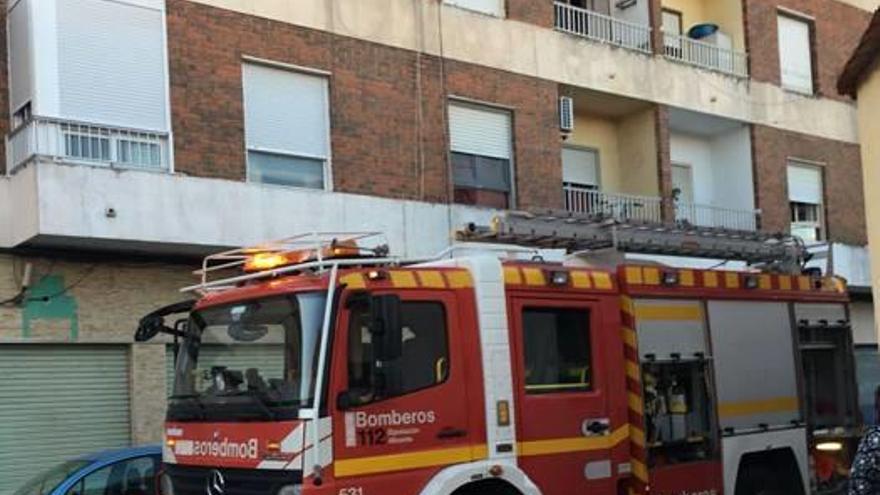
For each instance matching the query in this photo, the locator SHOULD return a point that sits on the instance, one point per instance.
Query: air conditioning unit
(566, 113)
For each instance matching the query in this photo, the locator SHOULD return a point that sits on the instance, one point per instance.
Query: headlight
(290, 490)
(166, 486)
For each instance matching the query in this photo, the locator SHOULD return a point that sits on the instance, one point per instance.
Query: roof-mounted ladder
(572, 232)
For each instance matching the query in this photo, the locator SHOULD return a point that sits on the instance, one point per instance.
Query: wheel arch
(452, 479)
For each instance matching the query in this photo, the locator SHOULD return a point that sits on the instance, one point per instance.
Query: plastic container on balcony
(700, 31)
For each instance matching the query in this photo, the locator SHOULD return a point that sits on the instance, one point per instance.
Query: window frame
(594, 387)
(820, 223)
(502, 14)
(810, 22)
(447, 318)
(79, 480)
(327, 176)
(512, 196)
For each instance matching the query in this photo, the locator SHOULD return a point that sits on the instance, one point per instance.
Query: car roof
(123, 453)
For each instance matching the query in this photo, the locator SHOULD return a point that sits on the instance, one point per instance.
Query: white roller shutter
(57, 402)
(795, 54)
(805, 184)
(112, 64)
(580, 166)
(480, 131)
(492, 7)
(285, 111)
(20, 56)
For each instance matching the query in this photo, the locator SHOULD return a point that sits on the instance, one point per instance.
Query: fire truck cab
(327, 371)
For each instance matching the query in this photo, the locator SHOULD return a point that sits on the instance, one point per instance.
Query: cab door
(566, 431)
(394, 442)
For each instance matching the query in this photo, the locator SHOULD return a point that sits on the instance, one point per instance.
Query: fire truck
(321, 365)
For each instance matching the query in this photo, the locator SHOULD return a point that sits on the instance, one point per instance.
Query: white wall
(70, 201)
(695, 151)
(637, 14)
(863, 325)
(721, 165)
(732, 169)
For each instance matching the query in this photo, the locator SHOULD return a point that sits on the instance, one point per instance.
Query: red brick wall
(388, 106)
(837, 30)
(538, 12)
(842, 179)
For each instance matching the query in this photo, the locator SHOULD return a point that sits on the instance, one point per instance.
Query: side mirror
(386, 328)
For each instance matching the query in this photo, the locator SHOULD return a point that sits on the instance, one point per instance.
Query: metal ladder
(573, 232)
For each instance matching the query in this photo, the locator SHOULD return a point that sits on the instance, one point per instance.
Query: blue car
(130, 471)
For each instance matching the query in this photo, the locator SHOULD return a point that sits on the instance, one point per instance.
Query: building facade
(142, 134)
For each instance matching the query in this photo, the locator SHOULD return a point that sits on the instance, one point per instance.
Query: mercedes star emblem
(216, 483)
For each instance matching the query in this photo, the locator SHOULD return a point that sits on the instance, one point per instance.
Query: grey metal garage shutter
(57, 402)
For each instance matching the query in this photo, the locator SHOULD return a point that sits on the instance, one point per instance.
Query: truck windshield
(252, 360)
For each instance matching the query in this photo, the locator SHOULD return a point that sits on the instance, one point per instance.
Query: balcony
(622, 207)
(87, 144)
(705, 55)
(602, 28)
(701, 215)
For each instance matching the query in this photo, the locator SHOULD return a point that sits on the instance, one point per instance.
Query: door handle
(448, 433)
(592, 427)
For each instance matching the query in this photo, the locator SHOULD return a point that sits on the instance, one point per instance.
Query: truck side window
(556, 344)
(425, 359)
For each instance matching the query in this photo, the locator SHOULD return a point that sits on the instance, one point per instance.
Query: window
(491, 7)
(556, 344)
(795, 53)
(286, 127)
(580, 180)
(139, 153)
(480, 142)
(425, 358)
(805, 201)
(130, 477)
(86, 146)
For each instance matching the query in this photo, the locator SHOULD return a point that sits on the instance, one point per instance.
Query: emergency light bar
(308, 249)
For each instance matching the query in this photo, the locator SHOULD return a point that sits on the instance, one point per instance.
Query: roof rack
(312, 248)
(572, 232)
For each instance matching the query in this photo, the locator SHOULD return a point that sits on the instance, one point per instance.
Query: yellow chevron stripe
(602, 280)
(459, 279)
(629, 338)
(637, 436)
(731, 280)
(639, 470)
(403, 280)
(353, 281)
(581, 280)
(635, 402)
(686, 278)
(652, 276)
(633, 275)
(512, 275)
(764, 282)
(764, 406)
(409, 460)
(573, 444)
(432, 279)
(534, 276)
(632, 370)
(670, 313)
(710, 279)
(784, 282)
(626, 305)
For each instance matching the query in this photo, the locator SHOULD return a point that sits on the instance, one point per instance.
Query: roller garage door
(59, 401)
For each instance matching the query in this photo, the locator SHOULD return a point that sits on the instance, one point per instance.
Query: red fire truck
(328, 367)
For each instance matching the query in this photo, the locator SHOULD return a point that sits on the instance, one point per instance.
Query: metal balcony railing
(624, 207)
(705, 55)
(602, 28)
(714, 216)
(83, 143)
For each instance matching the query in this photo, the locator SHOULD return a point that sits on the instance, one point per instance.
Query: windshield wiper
(257, 399)
(203, 414)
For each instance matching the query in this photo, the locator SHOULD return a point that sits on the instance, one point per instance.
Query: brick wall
(388, 116)
(837, 30)
(538, 12)
(842, 179)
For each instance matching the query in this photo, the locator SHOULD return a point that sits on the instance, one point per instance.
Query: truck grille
(193, 480)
